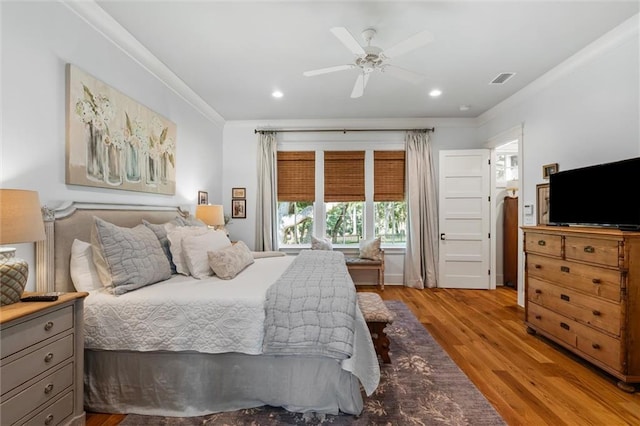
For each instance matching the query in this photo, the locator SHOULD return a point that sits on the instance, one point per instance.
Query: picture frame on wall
(549, 169)
(239, 209)
(203, 197)
(542, 203)
(238, 193)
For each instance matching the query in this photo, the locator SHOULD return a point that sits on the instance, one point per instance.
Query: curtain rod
(432, 129)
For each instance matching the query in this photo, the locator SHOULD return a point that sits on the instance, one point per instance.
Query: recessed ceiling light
(435, 93)
(465, 107)
(277, 94)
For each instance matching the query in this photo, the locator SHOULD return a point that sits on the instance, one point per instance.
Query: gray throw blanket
(310, 309)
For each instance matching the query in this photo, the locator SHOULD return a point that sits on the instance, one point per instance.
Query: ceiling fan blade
(361, 83)
(413, 42)
(348, 40)
(402, 74)
(328, 70)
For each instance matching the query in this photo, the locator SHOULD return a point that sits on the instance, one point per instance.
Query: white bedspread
(185, 314)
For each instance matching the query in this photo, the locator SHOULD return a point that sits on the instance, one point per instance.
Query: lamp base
(13, 276)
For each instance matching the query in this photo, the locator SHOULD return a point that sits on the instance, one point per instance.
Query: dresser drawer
(35, 330)
(33, 363)
(36, 395)
(579, 306)
(543, 244)
(601, 252)
(53, 414)
(605, 349)
(554, 324)
(592, 280)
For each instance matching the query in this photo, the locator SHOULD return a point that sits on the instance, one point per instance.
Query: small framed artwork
(549, 169)
(239, 209)
(542, 203)
(203, 197)
(238, 193)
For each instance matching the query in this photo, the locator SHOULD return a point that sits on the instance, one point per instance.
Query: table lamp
(20, 222)
(212, 215)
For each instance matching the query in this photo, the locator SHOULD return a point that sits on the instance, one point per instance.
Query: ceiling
(234, 54)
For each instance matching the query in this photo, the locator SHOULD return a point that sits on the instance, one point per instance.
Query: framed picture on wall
(239, 209)
(549, 169)
(238, 193)
(203, 197)
(542, 203)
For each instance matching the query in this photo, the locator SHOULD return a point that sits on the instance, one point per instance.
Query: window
(390, 208)
(296, 194)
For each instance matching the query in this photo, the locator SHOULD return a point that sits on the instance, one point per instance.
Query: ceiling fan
(372, 58)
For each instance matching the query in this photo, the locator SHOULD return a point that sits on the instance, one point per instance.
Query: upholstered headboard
(74, 220)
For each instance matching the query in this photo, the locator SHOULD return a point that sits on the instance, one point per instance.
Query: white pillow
(321, 243)
(195, 248)
(175, 236)
(84, 274)
(370, 249)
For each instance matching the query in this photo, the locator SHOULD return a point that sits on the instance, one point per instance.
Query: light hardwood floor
(529, 380)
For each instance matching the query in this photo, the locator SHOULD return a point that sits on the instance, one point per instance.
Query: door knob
(442, 236)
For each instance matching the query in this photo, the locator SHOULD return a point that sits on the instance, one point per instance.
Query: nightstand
(41, 362)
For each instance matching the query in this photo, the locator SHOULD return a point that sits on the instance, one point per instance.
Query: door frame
(515, 133)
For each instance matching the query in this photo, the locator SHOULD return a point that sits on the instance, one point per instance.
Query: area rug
(422, 386)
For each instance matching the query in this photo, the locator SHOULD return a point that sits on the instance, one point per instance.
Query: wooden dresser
(583, 292)
(41, 365)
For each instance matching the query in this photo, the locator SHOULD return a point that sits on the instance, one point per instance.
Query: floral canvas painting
(115, 142)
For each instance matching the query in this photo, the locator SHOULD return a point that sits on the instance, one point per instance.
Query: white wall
(240, 150)
(38, 39)
(585, 111)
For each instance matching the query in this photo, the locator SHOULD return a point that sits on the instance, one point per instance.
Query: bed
(189, 347)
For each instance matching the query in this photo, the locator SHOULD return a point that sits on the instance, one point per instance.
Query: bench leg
(380, 340)
(381, 279)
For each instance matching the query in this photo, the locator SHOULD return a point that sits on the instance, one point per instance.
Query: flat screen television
(605, 195)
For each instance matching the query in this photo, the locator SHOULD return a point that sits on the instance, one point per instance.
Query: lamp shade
(212, 215)
(20, 217)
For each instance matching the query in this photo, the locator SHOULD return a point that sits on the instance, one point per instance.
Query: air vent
(502, 78)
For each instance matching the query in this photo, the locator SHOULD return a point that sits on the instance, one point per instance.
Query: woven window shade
(388, 176)
(296, 176)
(343, 176)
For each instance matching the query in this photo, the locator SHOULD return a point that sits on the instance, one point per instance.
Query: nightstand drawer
(33, 363)
(543, 244)
(35, 330)
(53, 414)
(579, 306)
(592, 280)
(602, 252)
(36, 395)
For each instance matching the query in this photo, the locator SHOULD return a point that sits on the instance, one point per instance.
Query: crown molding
(376, 123)
(105, 24)
(617, 36)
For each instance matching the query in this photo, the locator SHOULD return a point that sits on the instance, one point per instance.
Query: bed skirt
(186, 384)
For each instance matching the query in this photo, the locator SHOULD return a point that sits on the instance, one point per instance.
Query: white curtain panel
(266, 203)
(421, 258)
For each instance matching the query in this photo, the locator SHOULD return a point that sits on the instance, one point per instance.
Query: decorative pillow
(161, 232)
(195, 248)
(175, 237)
(264, 254)
(370, 249)
(192, 221)
(83, 272)
(321, 243)
(127, 258)
(230, 261)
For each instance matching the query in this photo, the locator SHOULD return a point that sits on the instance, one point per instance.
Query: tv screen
(602, 195)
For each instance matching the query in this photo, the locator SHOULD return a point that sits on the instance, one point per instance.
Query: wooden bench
(356, 263)
(377, 316)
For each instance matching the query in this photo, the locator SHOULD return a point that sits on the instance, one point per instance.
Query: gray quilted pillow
(127, 258)
(161, 232)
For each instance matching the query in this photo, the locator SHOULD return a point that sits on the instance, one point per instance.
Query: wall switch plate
(528, 209)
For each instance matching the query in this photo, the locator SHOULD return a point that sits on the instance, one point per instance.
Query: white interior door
(464, 218)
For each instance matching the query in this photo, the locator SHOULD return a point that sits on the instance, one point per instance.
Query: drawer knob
(538, 266)
(596, 281)
(538, 291)
(48, 357)
(48, 419)
(565, 297)
(595, 346)
(538, 317)
(542, 243)
(565, 269)
(589, 249)
(48, 326)
(596, 313)
(48, 388)
(565, 326)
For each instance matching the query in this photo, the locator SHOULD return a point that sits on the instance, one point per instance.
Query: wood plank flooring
(529, 380)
